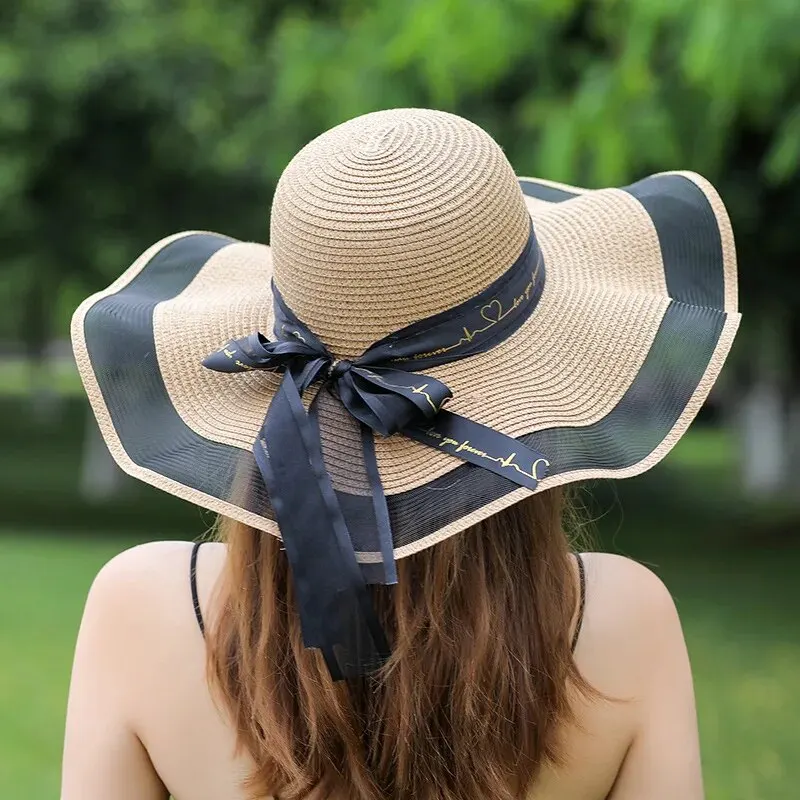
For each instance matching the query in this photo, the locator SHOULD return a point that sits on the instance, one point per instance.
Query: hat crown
(389, 218)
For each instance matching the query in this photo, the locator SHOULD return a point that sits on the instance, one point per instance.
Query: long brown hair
(472, 701)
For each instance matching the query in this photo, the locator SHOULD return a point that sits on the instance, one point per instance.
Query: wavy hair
(472, 700)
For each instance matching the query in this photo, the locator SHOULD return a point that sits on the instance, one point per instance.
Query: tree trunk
(101, 479)
(762, 428)
(793, 470)
(763, 421)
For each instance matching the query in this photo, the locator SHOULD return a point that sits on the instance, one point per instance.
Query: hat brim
(637, 317)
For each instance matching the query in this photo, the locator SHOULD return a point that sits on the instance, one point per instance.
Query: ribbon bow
(380, 397)
(322, 528)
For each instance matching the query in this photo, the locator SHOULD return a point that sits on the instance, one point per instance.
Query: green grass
(737, 608)
(43, 584)
(739, 616)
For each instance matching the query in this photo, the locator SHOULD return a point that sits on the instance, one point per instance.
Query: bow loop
(257, 352)
(384, 399)
(397, 399)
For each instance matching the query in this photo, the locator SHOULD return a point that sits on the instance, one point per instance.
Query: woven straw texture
(390, 218)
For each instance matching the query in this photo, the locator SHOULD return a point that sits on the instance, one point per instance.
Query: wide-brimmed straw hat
(586, 341)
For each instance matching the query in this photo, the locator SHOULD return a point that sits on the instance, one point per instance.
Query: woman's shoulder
(629, 613)
(630, 621)
(622, 579)
(625, 591)
(622, 594)
(151, 568)
(145, 591)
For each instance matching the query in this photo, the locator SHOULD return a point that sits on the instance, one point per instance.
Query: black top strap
(199, 614)
(193, 581)
(582, 603)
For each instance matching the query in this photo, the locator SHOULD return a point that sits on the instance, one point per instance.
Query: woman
(404, 274)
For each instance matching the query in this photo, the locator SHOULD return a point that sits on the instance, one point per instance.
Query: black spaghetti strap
(193, 581)
(199, 614)
(582, 605)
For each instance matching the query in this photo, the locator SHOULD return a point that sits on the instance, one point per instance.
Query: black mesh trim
(687, 231)
(121, 346)
(646, 413)
(689, 235)
(651, 406)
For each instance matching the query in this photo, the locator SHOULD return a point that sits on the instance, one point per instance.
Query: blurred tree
(102, 137)
(126, 121)
(105, 107)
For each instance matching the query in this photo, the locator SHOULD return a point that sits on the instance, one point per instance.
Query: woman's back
(142, 715)
(397, 600)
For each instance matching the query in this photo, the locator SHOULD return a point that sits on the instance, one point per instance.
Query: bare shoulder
(627, 584)
(630, 623)
(150, 567)
(139, 659)
(147, 587)
(154, 557)
(634, 653)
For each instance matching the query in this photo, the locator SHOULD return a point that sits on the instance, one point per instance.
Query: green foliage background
(127, 120)
(122, 121)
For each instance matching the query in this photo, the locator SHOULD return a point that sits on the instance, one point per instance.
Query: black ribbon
(385, 393)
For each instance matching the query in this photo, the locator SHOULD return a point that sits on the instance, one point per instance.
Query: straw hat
(386, 220)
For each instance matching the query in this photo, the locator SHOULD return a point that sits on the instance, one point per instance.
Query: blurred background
(122, 121)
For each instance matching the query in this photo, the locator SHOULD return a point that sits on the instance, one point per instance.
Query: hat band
(383, 391)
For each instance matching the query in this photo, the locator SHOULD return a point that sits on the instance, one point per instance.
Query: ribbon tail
(483, 446)
(336, 612)
(380, 509)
